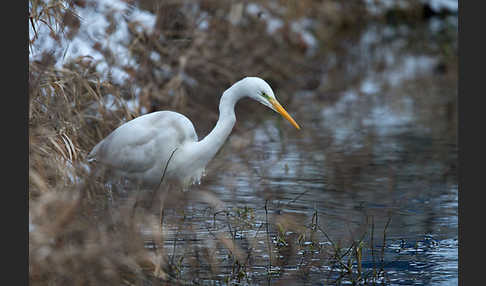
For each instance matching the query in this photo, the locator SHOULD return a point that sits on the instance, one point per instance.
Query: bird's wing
(139, 144)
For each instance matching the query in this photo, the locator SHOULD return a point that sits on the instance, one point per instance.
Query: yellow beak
(283, 112)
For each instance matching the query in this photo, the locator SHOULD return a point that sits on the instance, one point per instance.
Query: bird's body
(133, 150)
(164, 144)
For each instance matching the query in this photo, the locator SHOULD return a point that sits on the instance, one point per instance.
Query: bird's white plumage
(140, 149)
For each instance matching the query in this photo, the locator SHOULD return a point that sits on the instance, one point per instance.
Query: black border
(470, 139)
(15, 142)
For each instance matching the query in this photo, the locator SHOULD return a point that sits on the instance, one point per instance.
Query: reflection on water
(382, 150)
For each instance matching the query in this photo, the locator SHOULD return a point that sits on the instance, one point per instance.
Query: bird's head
(259, 90)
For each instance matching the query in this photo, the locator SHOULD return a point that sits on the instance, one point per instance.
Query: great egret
(164, 144)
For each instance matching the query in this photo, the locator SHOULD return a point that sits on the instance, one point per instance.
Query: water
(405, 177)
(376, 160)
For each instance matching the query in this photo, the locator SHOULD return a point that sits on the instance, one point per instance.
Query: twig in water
(268, 239)
(297, 197)
(382, 269)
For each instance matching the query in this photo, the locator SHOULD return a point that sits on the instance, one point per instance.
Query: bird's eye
(265, 95)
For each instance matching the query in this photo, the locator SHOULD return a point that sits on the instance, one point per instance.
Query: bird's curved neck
(216, 138)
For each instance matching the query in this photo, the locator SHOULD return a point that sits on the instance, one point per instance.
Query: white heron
(164, 144)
